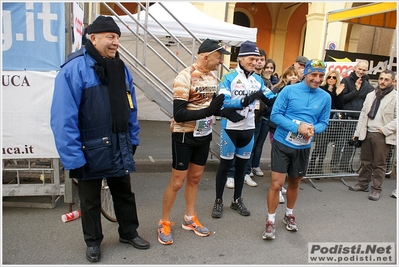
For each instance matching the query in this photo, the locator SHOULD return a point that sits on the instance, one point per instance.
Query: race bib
(203, 127)
(297, 139)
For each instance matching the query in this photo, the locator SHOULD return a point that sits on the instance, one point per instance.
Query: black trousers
(124, 205)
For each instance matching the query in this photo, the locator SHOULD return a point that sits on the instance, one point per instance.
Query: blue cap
(248, 48)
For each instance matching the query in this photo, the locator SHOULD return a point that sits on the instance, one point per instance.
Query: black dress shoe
(93, 254)
(136, 242)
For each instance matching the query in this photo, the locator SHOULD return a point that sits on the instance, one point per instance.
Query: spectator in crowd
(353, 96)
(300, 111)
(241, 88)
(194, 104)
(262, 117)
(95, 126)
(299, 64)
(290, 76)
(376, 129)
(332, 86)
(267, 73)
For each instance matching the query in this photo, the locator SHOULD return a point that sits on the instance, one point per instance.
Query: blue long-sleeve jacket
(301, 103)
(82, 125)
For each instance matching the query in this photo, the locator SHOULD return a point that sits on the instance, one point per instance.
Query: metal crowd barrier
(332, 157)
(27, 178)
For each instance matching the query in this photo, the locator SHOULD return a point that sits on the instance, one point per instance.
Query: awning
(376, 14)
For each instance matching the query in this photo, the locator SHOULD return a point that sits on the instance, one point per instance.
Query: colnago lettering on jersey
(235, 86)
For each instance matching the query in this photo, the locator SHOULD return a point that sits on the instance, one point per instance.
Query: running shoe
(164, 232)
(217, 209)
(270, 231)
(257, 171)
(283, 190)
(196, 226)
(393, 194)
(281, 199)
(289, 221)
(248, 180)
(230, 183)
(240, 207)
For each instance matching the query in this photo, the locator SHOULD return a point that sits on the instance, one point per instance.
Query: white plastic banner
(26, 103)
(344, 68)
(77, 25)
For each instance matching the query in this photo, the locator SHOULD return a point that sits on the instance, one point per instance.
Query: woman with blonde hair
(332, 85)
(289, 76)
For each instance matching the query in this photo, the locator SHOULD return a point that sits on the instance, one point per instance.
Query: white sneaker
(393, 194)
(281, 199)
(230, 183)
(257, 171)
(283, 190)
(248, 180)
(251, 174)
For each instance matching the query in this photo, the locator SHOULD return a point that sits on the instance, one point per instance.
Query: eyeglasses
(329, 77)
(317, 63)
(220, 47)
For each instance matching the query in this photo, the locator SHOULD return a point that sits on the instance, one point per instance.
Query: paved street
(335, 214)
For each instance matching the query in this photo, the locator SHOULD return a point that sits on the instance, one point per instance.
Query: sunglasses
(329, 77)
(316, 63)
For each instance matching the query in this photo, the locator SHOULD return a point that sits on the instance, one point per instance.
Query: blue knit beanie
(248, 48)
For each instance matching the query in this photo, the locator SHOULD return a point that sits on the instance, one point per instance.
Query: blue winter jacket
(81, 121)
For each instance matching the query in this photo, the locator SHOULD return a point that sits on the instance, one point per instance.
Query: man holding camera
(376, 129)
(357, 86)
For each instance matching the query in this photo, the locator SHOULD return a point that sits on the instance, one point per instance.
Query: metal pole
(325, 38)
(68, 194)
(68, 28)
(393, 51)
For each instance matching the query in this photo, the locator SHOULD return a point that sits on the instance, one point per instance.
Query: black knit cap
(104, 24)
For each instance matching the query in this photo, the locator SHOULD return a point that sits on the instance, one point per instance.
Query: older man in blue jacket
(95, 126)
